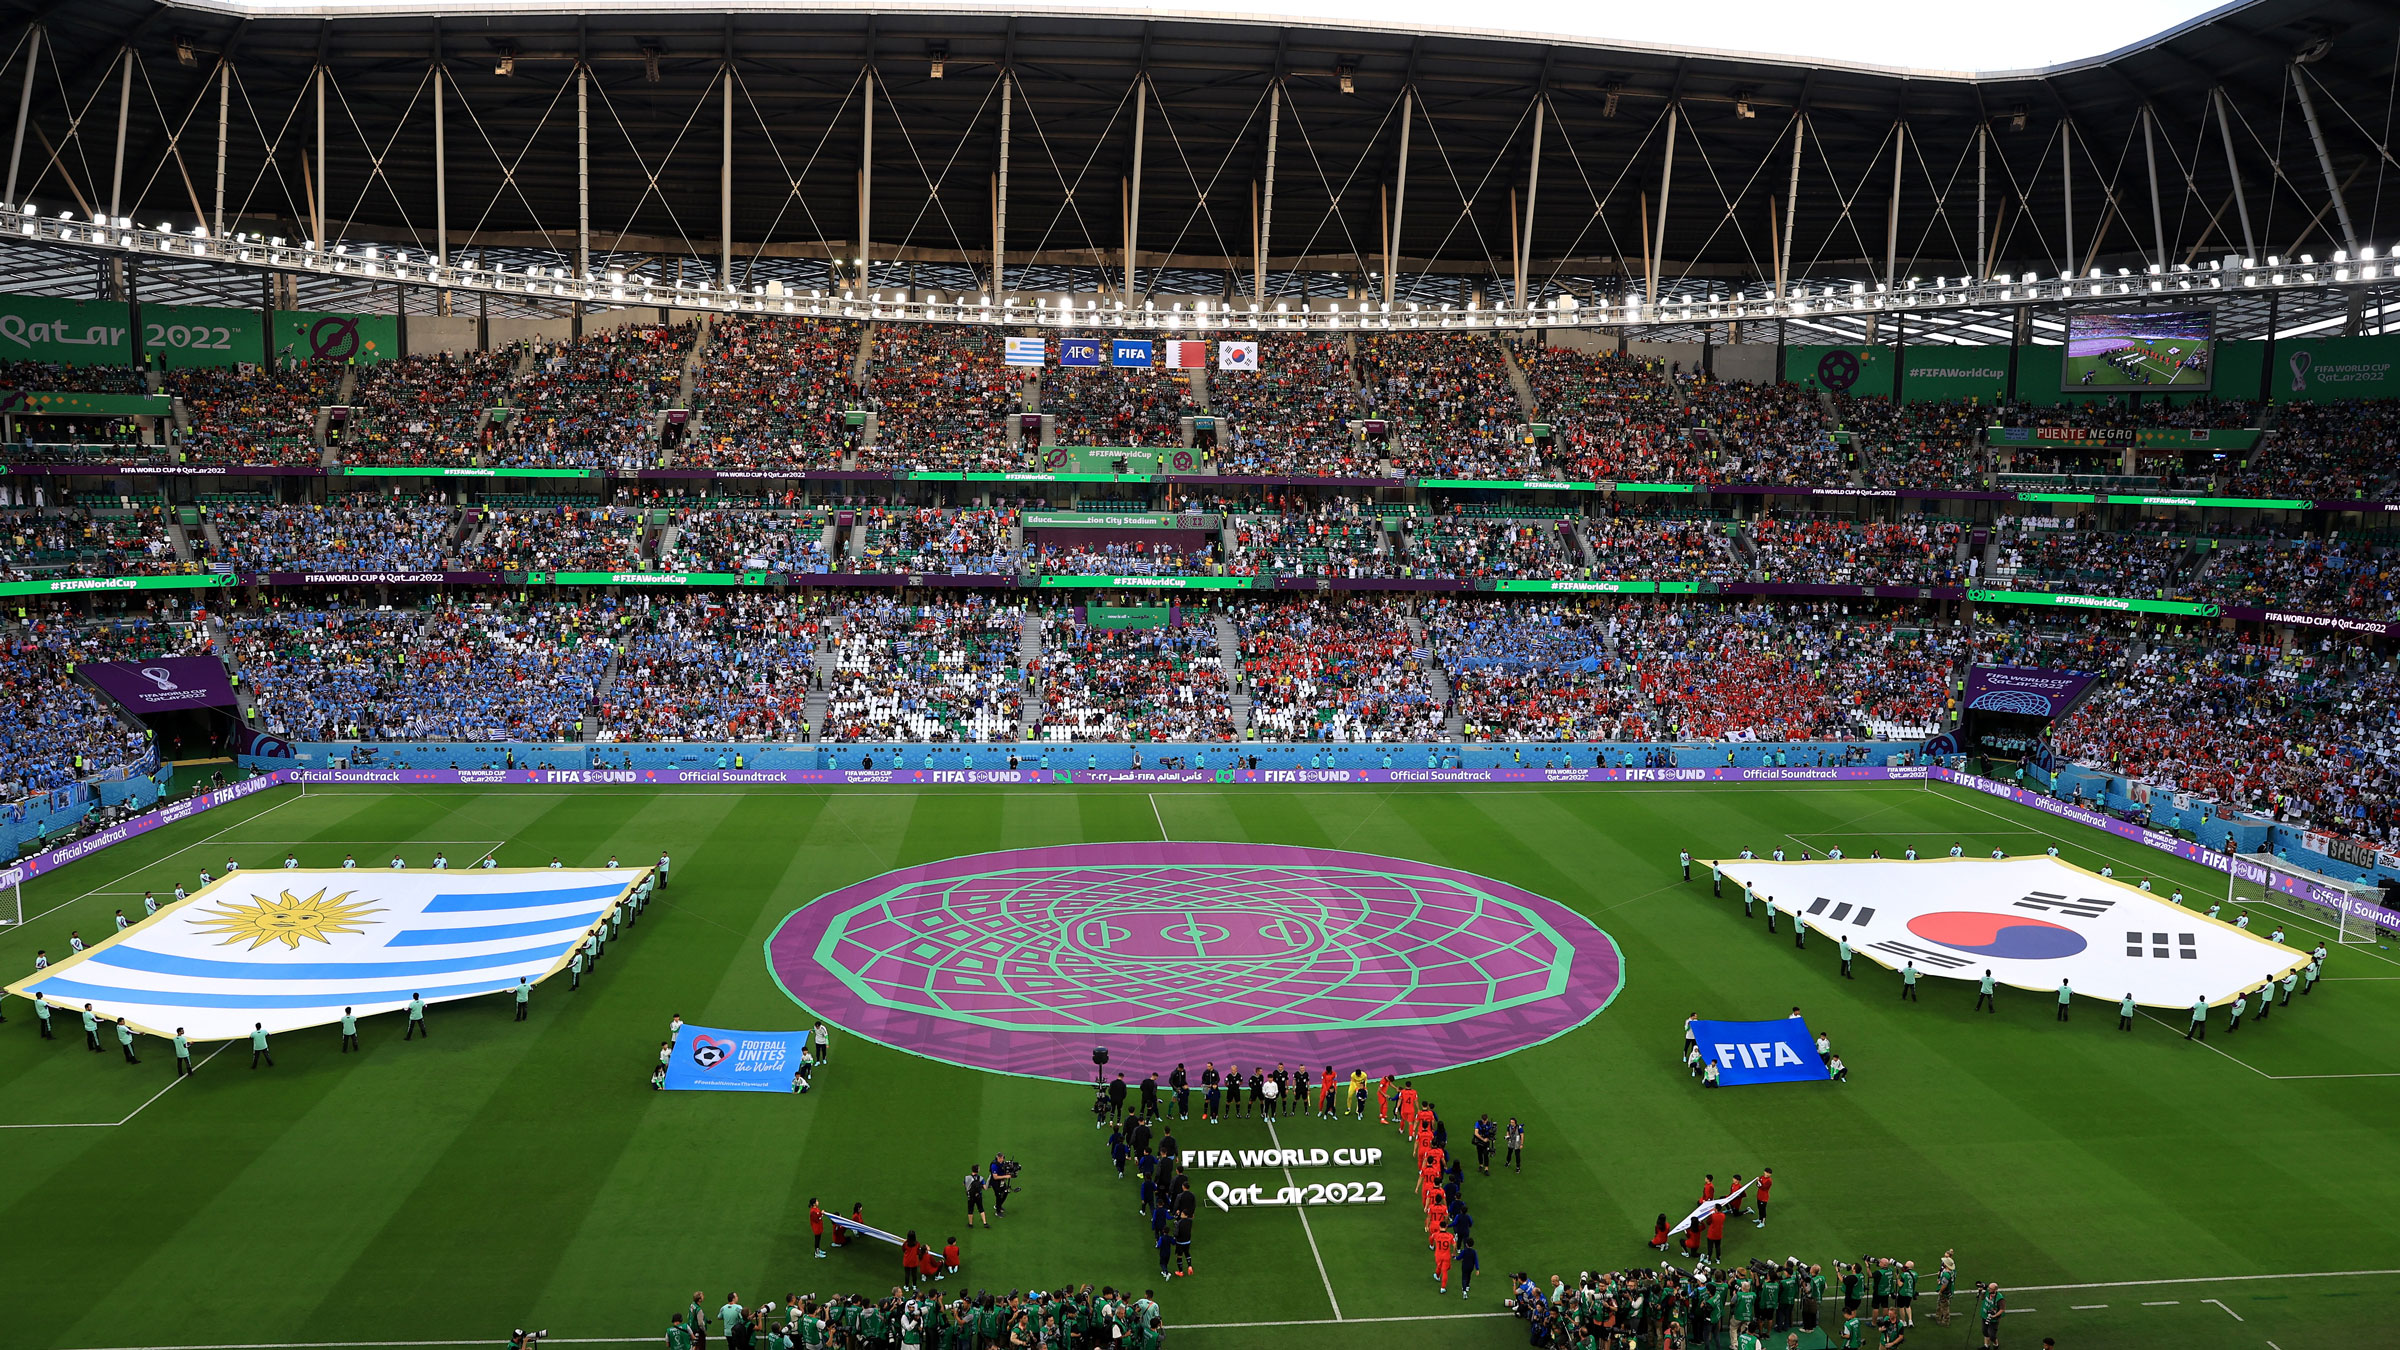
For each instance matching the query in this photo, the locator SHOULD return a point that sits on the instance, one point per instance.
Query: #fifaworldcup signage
(2030, 922)
(1026, 961)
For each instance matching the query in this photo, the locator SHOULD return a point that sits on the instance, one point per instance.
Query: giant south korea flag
(2030, 921)
(292, 948)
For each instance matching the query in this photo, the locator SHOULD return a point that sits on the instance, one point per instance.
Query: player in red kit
(1325, 1093)
(1443, 1241)
(1408, 1108)
(1766, 1183)
(1383, 1101)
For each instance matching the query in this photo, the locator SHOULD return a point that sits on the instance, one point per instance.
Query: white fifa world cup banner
(2031, 922)
(293, 948)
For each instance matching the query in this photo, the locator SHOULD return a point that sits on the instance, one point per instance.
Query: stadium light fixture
(506, 62)
(650, 63)
(939, 54)
(185, 54)
(1742, 108)
(1608, 103)
(1344, 72)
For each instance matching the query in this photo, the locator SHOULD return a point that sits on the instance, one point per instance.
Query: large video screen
(2154, 349)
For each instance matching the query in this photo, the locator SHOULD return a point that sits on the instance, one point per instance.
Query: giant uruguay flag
(292, 948)
(2031, 922)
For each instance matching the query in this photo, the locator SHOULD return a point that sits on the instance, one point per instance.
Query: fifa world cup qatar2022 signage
(162, 684)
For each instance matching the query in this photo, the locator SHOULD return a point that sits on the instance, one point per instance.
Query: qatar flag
(1186, 354)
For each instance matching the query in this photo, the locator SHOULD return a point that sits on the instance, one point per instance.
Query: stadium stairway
(1516, 379)
(1582, 544)
(691, 362)
(216, 545)
(605, 686)
(1229, 658)
(1029, 660)
(172, 517)
(1421, 646)
(863, 364)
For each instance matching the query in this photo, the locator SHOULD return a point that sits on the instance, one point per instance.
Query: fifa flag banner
(713, 1059)
(2031, 922)
(1780, 1051)
(292, 947)
(1027, 351)
(1186, 353)
(1237, 356)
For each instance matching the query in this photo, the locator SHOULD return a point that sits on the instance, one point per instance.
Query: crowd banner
(1861, 370)
(179, 337)
(371, 578)
(1937, 374)
(477, 471)
(313, 335)
(1780, 1051)
(2320, 370)
(96, 470)
(2023, 689)
(162, 684)
(196, 581)
(714, 1059)
(2123, 604)
(65, 332)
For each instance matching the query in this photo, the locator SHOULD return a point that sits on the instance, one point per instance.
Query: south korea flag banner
(2031, 922)
(1237, 356)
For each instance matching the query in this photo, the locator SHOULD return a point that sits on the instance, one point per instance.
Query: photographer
(1003, 1173)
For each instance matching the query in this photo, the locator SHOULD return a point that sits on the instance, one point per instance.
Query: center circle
(1025, 961)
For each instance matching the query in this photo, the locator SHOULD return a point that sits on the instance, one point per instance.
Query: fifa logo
(159, 676)
(2301, 361)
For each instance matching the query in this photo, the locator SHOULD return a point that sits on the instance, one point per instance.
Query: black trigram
(2082, 907)
(1920, 955)
(2187, 946)
(1842, 913)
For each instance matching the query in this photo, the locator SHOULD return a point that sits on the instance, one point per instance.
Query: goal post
(2353, 911)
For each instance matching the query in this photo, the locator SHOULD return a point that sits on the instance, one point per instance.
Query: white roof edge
(303, 9)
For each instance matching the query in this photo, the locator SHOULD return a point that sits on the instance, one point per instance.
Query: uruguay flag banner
(292, 947)
(712, 1059)
(1027, 351)
(1780, 1051)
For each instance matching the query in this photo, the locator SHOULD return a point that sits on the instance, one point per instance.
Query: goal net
(2348, 912)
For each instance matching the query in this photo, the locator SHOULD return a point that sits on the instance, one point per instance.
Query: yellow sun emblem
(288, 919)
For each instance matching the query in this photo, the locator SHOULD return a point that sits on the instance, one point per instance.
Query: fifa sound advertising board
(2032, 922)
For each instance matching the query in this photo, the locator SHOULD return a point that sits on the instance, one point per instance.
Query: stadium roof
(657, 107)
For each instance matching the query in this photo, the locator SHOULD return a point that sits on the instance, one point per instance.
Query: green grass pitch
(2135, 1190)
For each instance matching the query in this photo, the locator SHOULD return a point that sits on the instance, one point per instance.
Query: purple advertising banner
(377, 578)
(162, 684)
(174, 470)
(2332, 622)
(2023, 689)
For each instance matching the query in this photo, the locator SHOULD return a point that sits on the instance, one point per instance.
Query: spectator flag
(291, 948)
(1184, 353)
(1027, 351)
(1237, 356)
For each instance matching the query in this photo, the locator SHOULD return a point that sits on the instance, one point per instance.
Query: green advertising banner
(68, 332)
(1027, 477)
(1127, 616)
(1123, 520)
(1842, 370)
(1160, 583)
(2320, 370)
(2113, 602)
(1599, 587)
(649, 578)
(311, 335)
(197, 581)
(43, 403)
(1938, 374)
(1543, 483)
(180, 337)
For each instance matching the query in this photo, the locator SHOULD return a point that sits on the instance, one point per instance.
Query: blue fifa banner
(1080, 352)
(1780, 1051)
(1027, 351)
(1130, 352)
(712, 1059)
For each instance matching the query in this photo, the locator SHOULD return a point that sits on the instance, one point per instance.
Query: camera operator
(1003, 1172)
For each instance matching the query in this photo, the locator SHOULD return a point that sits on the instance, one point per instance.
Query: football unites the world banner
(286, 948)
(2031, 923)
(714, 1059)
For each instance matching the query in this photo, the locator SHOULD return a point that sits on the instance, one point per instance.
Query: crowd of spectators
(1927, 445)
(726, 667)
(1821, 550)
(1332, 538)
(1126, 558)
(729, 537)
(56, 377)
(929, 539)
(524, 671)
(1642, 548)
(1612, 417)
(2349, 448)
(560, 539)
(254, 414)
(944, 670)
(2034, 553)
(1456, 544)
(1764, 433)
(428, 410)
(1336, 669)
(82, 541)
(2324, 576)
(1455, 411)
(56, 730)
(1112, 405)
(355, 532)
(1292, 415)
(1536, 670)
(941, 395)
(1133, 684)
(771, 393)
(1742, 672)
(592, 402)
